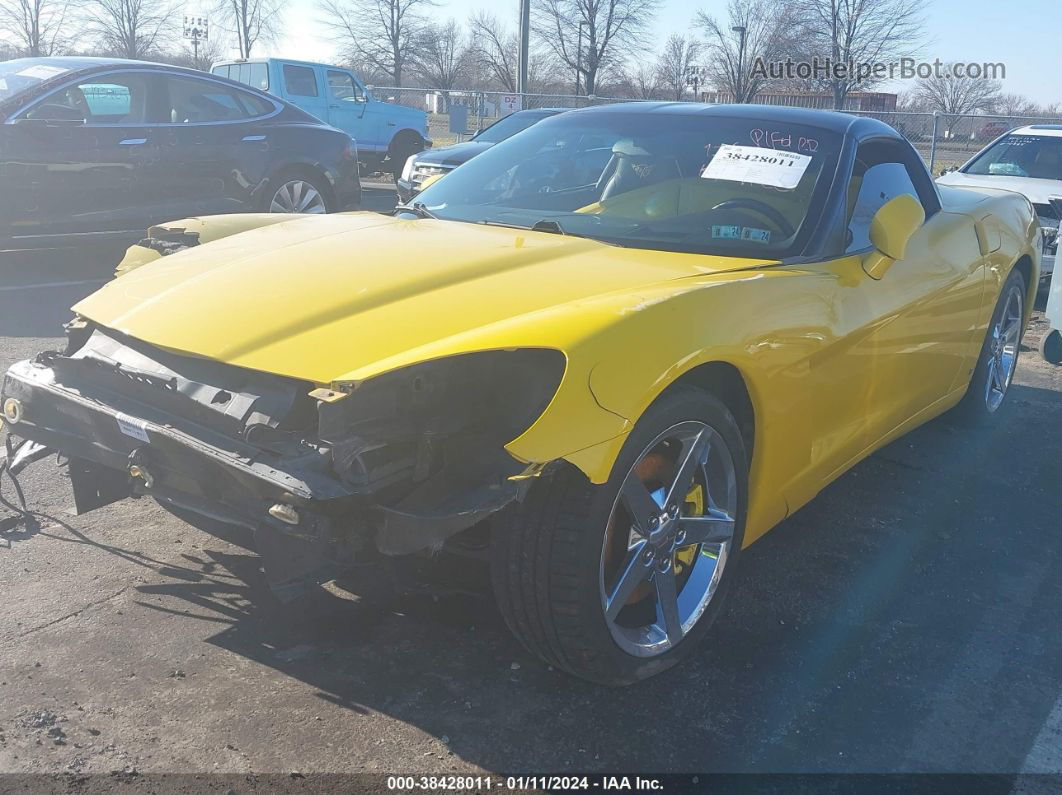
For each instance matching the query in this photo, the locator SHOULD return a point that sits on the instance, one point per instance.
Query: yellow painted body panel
(836, 362)
(206, 230)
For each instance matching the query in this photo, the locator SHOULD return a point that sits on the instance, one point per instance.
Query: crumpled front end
(396, 466)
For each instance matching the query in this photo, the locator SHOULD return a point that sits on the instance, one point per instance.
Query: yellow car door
(894, 346)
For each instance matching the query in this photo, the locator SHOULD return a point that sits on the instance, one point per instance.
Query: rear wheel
(617, 582)
(297, 193)
(999, 353)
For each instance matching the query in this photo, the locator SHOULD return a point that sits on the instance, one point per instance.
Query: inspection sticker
(726, 232)
(41, 71)
(758, 165)
(131, 426)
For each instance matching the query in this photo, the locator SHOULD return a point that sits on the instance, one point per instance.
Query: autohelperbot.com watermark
(903, 69)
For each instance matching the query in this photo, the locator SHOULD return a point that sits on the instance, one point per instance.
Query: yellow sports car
(610, 352)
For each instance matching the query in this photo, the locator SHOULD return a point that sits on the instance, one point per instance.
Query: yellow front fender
(172, 236)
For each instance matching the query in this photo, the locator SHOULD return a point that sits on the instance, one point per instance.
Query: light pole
(693, 79)
(739, 83)
(525, 43)
(196, 29)
(579, 57)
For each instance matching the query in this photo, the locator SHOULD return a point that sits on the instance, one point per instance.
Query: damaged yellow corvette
(618, 347)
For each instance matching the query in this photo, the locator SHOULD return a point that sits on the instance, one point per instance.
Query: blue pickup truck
(386, 134)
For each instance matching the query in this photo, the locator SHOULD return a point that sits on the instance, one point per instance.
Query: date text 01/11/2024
(523, 783)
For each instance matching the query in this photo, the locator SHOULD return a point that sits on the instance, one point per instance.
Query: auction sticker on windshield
(758, 165)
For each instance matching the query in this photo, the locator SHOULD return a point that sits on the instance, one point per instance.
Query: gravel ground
(904, 621)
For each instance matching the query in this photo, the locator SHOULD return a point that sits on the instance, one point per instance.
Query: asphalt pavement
(904, 621)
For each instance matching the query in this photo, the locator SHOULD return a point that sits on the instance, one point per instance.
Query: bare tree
(1015, 105)
(370, 73)
(910, 101)
(858, 32)
(495, 47)
(35, 26)
(643, 81)
(252, 21)
(381, 33)
(756, 32)
(209, 51)
(132, 28)
(953, 97)
(441, 59)
(676, 62)
(608, 30)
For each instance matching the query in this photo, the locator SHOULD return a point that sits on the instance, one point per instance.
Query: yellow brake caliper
(694, 506)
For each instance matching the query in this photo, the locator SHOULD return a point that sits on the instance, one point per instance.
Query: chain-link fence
(944, 141)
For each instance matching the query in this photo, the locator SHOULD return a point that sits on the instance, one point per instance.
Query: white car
(1027, 160)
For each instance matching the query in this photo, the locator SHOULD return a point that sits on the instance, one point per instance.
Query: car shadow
(861, 633)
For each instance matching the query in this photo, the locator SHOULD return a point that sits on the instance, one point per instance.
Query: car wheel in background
(294, 192)
(1051, 346)
(402, 148)
(618, 582)
(999, 353)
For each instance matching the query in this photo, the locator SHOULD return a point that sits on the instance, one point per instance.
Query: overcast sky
(1025, 35)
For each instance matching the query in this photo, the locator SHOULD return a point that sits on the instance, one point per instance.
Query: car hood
(345, 297)
(453, 155)
(1038, 191)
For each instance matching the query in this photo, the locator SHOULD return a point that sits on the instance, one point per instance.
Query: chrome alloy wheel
(297, 196)
(668, 538)
(1002, 354)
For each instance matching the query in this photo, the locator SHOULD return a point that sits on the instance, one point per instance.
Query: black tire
(401, 150)
(1051, 346)
(546, 553)
(975, 406)
(316, 181)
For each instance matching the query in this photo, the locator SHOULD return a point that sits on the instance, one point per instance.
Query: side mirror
(891, 229)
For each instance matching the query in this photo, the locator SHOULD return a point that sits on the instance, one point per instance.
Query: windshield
(23, 73)
(696, 182)
(1038, 156)
(508, 127)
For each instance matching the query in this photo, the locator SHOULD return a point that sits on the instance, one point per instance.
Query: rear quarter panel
(1008, 230)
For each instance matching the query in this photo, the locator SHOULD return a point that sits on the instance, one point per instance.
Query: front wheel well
(404, 140)
(725, 381)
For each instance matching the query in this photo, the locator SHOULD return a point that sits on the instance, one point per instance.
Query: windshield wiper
(551, 226)
(418, 209)
(545, 225)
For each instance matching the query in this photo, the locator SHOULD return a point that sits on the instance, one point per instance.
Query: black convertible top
(843, 123)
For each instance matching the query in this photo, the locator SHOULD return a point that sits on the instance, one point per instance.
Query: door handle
(252, 138)
(132, 141)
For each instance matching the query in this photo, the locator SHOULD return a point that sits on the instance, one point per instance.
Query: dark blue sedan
(97, 145)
